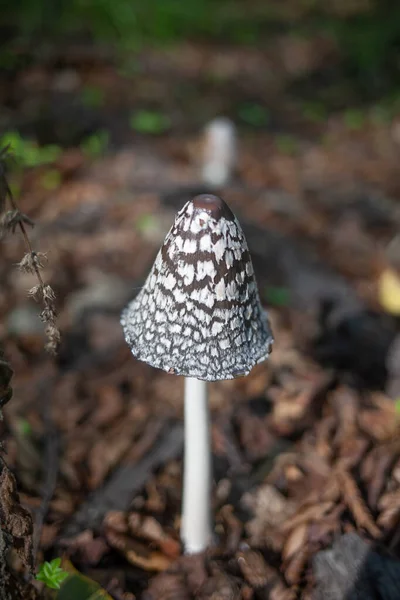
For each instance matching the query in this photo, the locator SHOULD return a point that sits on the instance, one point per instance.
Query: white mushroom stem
(219, 153)
(196, 530)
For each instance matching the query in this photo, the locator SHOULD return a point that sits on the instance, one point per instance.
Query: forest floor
(306, 449)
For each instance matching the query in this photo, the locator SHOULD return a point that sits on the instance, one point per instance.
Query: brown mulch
(306, 448)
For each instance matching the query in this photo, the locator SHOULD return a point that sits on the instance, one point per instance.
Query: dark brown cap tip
(213, 205)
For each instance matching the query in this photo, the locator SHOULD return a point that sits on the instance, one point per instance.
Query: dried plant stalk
(32, 262)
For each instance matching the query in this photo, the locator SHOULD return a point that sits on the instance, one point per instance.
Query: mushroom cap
(199, 313)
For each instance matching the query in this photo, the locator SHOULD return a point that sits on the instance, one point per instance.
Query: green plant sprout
(52, 574)
(150, 121)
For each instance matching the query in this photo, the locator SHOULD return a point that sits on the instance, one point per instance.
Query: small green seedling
(52, 574)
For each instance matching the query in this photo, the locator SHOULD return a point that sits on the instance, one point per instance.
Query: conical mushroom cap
(199, 312)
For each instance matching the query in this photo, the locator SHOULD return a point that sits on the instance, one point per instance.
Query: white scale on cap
(199, 312)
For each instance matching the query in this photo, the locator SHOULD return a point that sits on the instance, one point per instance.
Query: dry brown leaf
(281, 592)
(378, 424)
(150, 529)
(155, 561)
(320, 532)
(351, 452)
(232, 526)
(295, 541)
(352, 497)
(220, 586)
(254, 436)
(376, 467)
(389, 505)
(254, 568)
(247, 593)
(167, 587)
(270, 510)
(345, 402)
(116, 520)
(295, 567)
(307, 513)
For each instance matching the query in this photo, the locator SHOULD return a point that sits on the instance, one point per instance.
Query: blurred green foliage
(277, 296)
(254, 114)
(314, 111)
(355, 119)
(96, 144)
(51, 180)
(286, 144)
(26, 152)
(92, 96)
(367, 33)
(150, 122)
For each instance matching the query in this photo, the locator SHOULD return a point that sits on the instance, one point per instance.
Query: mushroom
(199, 315)
(219, 152)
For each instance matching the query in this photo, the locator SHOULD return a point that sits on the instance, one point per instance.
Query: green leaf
(29, 153)
(354, 119)
(51, 179)
(314, 111)
(254, 114)
(96, 144)
(146, 223)
(52, 574)
(151, 122)
(286, 144)
(277, 296)
(92, 96)
(80, 587)
(24, 427)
